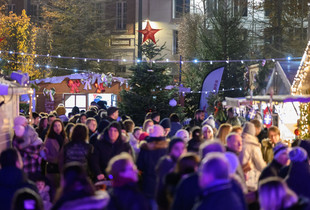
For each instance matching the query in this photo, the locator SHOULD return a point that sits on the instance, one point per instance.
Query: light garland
(206, 92)
(302, 72)
(196, 61)
(304, 120)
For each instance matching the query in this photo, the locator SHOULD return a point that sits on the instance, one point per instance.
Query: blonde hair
(274, 194)
(223, 131)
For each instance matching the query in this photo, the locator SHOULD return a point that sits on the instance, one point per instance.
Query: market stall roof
(301, 83)
(282, 77)
(281, 98)
(13, 88)
(59, 79)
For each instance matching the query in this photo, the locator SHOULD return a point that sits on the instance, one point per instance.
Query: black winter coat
(221, 197)
(11, 180)
(104, 151)
(272, 169)
(79, 152)
(127, 197)
(148, 158)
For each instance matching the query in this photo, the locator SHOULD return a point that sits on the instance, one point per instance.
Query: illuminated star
(149, 32)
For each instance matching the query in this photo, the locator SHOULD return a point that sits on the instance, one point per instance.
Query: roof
(13, 88)
(290, 69)
(281, 98)
(59, 79)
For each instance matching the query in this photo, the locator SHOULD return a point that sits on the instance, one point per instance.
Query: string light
(166, 60)
(213, 91)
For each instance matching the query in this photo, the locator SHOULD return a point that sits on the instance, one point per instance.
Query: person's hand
(100, 177)
(246, 167)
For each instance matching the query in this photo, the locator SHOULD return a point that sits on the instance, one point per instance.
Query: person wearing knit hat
(112, 113)
(298, 178)
(166, 124)
(280, 160)
(108, 145)
(176, 148)
(61, 112)
(298, 154)
(249, 128)
(251, 157)
(209, 121)
(151, 151)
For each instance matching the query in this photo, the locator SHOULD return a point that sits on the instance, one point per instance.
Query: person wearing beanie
(108, 145)
(61, 112)
(251, 156)
(209, 121)
(280, 160)
(298, 178)
(165, 165)
(112, 113)
(151, 150)
(155, 117)
(166, 125)
(125, 193)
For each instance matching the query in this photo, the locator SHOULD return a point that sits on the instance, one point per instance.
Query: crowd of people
(96, 159)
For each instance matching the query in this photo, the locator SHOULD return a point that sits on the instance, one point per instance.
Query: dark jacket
(298, 178)
(11, 180)
(148, 158)
(127, 197)
(186, 193)
(175, 126)
(164, 166)
(79, 152)
(105, 150)
(81, 200)
(195, 122)
(272, 169)
(220, 196)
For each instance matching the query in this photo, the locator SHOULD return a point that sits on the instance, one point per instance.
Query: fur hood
(154, 145)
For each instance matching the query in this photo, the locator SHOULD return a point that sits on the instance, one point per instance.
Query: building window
(121, 15)
(72, 100)
(237, 7)
(175, 42)
(181, 7)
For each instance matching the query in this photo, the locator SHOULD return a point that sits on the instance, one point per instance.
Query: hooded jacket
(251, 154)
(150, 153)
(105, 150)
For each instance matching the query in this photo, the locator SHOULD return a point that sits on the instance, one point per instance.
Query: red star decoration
(149, 32)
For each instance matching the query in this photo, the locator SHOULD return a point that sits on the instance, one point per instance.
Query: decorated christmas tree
(148, 86)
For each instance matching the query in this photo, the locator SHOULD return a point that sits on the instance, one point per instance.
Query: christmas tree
(147, 87)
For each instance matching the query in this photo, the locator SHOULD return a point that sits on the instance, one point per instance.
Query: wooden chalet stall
(78, 90)
(10, 93)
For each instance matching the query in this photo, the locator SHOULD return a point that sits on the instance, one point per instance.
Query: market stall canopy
(281, 98)
(282, 77)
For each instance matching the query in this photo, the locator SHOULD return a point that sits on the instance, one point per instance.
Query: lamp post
(139, 28)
